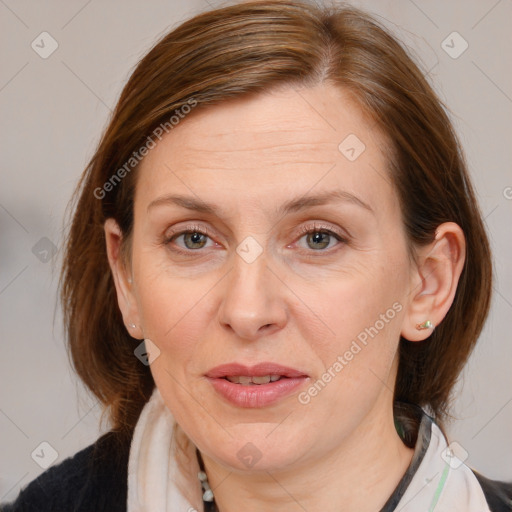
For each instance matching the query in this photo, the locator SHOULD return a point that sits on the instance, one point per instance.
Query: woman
(275, 273)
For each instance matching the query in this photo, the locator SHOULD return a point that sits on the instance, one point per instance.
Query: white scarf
(155, 484)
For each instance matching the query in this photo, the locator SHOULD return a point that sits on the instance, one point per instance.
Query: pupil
(317, 239)
(195, 239)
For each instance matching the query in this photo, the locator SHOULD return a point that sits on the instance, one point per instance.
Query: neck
(359, 475)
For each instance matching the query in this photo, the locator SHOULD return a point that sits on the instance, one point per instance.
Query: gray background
(53, 113)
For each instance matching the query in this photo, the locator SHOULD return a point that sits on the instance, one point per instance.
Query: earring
(425, 325)
(132, 326)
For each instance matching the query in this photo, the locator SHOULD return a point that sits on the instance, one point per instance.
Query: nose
(253, 303)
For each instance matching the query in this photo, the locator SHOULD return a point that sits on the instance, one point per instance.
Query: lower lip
(257, 395)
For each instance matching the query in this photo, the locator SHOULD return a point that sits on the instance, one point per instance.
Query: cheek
(350, 302)
(360, 324)
(176, 315)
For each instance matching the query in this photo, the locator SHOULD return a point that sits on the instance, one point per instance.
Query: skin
(301, 303)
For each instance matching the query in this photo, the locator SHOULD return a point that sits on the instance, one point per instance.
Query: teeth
(261, 380)
(250, 381)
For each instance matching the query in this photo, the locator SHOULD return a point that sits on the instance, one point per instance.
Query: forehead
(268, 147)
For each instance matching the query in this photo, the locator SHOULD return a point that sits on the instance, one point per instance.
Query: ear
(434, 281)
(122, 279)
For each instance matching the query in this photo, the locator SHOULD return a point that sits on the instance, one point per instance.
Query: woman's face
(300, 260)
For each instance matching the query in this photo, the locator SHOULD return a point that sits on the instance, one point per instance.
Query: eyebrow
(291, 206)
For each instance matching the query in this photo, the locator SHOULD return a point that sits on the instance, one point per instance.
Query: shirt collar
(436, 480)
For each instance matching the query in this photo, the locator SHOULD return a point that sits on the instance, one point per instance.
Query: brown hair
(244, 49)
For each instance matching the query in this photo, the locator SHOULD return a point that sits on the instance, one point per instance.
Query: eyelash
(204, 231)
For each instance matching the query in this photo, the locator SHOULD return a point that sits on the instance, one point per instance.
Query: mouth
(257, 386)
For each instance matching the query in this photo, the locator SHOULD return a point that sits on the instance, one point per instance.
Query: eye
(319, 238)
(193, 238)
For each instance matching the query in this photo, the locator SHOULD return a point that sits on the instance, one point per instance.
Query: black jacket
(95, 480)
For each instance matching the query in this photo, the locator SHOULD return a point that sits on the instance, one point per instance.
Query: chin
(256, 450)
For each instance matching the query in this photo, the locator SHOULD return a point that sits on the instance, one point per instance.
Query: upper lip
(258, 370)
